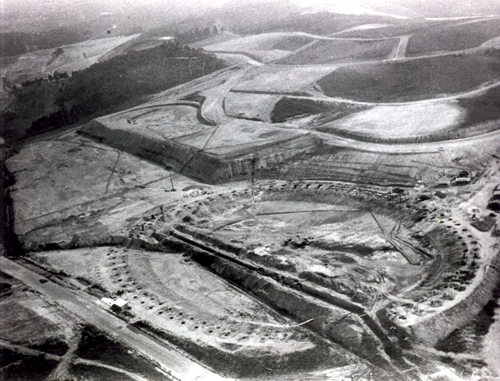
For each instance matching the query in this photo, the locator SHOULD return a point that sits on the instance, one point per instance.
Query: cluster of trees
(58, 119)
(38, 81)
(123, 80)
(16, 43)
(35, 98)
(198, 33)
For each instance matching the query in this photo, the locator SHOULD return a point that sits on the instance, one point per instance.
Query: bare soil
(335, 51)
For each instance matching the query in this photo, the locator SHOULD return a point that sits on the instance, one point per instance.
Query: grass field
(332, 51)
(32, 322)
(453, 37)
(482, 108)
(413, 79)
(366, 28)
(322, 23)
(399, 121)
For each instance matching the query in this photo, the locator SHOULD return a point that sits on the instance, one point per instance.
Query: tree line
(105, 87)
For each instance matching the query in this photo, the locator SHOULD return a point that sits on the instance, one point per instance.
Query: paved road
(169, 359)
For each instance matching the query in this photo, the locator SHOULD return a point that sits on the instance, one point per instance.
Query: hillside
(449, 38)
(342, 50)
(109, 85)
(412, 80)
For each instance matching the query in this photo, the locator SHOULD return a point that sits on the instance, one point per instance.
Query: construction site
(323, 208)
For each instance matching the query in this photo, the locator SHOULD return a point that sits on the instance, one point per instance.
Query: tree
(56, 53)
(206, 32)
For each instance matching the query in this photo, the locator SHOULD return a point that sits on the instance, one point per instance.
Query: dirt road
(170, 360)
(403, 43)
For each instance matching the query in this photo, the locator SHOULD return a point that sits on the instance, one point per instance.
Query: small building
(463, 178)
(494, 205)
(117, 305)
(496, 193)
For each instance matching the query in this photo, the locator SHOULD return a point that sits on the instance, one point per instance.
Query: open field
(341, 50)
(230, 140)
(237, 139)
(74, 57)
(482, 108)
(267, 47)
(266, 41)
(368, 28)
(30, 321)
(282, 78)
(405, 121)
(410, 80)
(102, 188)
(105, 164)
(450, 38)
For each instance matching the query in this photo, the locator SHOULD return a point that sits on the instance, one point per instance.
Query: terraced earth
(324, 208)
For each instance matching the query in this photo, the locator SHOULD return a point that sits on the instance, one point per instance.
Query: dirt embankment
(348, 166)
(437, 327)
(338, 325)
(9, 241)
(197, 163)
(188, 160)
(338, 320)
(240, 364)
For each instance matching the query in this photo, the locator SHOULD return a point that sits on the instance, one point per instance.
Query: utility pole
(171, 179)
(252, 174)
(253, 171)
